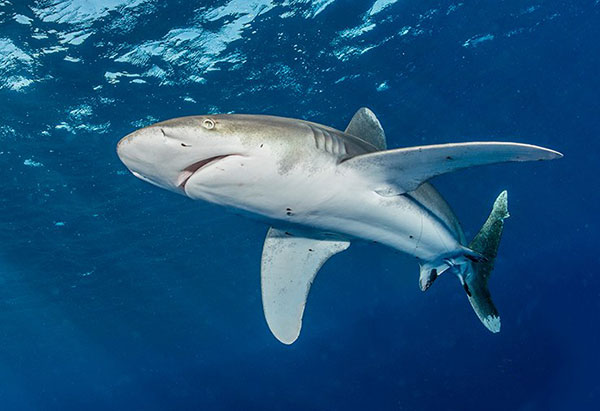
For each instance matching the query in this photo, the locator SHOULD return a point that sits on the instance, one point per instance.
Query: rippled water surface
(115, 294)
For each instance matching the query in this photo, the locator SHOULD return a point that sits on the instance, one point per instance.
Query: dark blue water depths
(118, 295)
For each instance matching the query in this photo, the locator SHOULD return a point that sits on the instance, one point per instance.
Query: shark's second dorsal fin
(366, 126)
(289, 265)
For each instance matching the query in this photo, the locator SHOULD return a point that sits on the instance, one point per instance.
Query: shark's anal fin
(290, 262)
(402, 170)
(366, 126)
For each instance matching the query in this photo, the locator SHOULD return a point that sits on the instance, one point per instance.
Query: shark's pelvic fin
(429, 273)
(402, 170)
(366, 126)
(289, 265)
(475, 281)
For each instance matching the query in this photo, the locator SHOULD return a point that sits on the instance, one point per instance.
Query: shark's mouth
(192, 169)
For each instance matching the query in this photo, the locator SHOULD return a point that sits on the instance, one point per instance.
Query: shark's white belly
(398, 222)
(322, 200)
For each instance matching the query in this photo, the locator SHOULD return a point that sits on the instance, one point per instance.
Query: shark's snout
(147, 153)
(140, 141)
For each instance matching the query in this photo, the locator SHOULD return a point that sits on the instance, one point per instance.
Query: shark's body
(321, 188)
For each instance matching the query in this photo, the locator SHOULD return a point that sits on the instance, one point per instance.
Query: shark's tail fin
(475, 277)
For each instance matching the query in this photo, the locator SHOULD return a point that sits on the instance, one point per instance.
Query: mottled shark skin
(321, 189)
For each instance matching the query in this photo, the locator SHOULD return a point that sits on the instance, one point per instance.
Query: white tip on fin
(492, 323)
(289, 266)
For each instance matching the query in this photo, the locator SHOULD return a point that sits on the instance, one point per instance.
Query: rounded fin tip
(286, 338)
(492, 323)
(285, 331)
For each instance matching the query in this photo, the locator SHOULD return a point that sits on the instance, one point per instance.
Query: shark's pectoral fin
(398, 171)
(290, 263)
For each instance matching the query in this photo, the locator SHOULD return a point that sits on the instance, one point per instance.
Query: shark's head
(168, 154)
(205, 157)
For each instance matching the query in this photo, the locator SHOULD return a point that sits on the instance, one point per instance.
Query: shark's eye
(208, 123)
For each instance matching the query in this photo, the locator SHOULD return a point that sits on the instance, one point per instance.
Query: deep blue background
(117, 295)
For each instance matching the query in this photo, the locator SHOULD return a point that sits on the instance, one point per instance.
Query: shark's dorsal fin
(289, 265)
(366, 126)
(401, 170)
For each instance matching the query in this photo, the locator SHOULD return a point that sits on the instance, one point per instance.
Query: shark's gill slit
(190, 170)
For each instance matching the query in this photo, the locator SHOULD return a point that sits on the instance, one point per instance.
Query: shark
(319, 189)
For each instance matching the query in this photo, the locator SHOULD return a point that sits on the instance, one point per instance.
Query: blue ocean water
(115, 294)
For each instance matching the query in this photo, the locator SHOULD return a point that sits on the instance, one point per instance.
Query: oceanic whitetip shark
(320, 189)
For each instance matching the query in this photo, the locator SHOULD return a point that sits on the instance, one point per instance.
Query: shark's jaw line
(193, 168)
